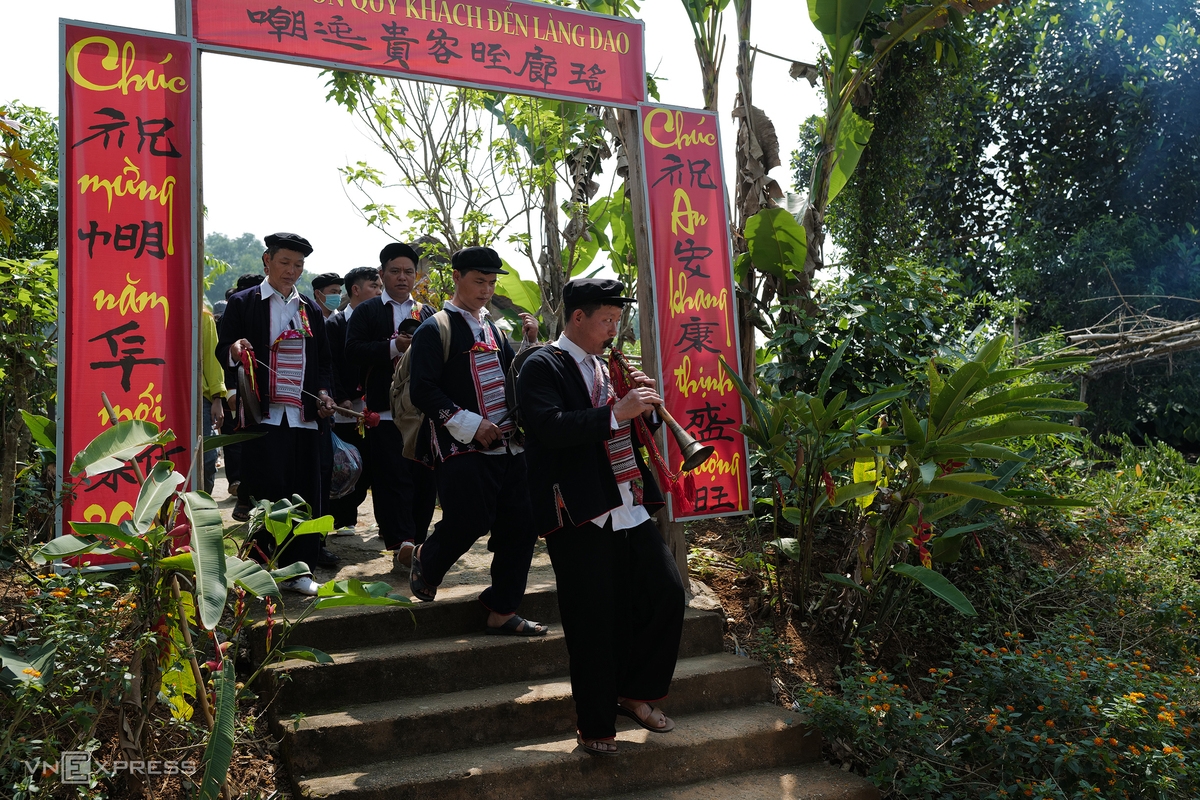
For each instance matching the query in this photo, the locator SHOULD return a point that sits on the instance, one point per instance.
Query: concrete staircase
(423, 704)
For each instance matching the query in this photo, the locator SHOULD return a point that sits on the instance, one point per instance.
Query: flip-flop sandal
(416, 580)
(517, 626)
(591, 746)
(625, 712)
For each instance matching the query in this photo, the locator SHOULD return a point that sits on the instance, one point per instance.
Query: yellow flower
(32, 671)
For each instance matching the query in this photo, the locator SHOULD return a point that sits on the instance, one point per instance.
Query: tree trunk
(556, 276)
(744, 206)
(13, 425)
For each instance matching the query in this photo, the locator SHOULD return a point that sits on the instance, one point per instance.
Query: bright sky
(273, 145)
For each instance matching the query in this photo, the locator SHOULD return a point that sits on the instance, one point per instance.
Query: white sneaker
(304, 584)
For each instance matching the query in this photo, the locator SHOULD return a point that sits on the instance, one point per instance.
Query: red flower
(830, 490)
(922, 533)
(949, 465)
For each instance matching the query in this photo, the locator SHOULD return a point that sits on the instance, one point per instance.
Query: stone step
(456, 611)
(437, 666)
(412, 726)
(812, 782)
(703, 747)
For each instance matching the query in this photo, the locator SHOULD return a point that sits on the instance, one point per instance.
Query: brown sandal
(593, 746)
(668, 723)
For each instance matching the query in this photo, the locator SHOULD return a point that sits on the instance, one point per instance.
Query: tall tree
(1057, 161)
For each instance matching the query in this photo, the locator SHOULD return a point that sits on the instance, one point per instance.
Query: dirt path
(363, 555)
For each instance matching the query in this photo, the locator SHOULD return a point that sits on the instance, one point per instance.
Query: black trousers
(482, 493)
(325, 429)
(403, 491)
(284, 462)
(621, 601)
(345, 509)
(232, 452)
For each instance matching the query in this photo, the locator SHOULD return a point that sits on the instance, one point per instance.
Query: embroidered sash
(287, 362)
(620, 445)
(488, 375)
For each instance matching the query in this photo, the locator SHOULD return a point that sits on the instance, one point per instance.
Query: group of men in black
(571, 471)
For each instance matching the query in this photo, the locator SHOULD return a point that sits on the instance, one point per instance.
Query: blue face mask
(332, 301)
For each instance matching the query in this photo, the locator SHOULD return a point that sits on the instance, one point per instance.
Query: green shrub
(1062, 716)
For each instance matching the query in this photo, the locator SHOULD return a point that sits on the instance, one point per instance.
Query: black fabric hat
(397, 250)
(327, 279)
(245, 282)
(606, 291)
(289, 241)
(480, 259)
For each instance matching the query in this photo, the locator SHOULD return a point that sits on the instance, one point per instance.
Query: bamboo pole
(672, 532)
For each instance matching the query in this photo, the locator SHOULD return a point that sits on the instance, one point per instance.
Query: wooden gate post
(631, 134)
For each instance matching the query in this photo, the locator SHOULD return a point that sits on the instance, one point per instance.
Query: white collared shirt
(465, 423)
(627, 515)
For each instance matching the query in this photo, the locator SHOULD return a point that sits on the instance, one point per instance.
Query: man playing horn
(619, 591)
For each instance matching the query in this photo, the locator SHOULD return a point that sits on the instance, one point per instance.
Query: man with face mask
(327, 291)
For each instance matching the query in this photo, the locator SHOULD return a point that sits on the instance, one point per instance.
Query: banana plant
(221, 582)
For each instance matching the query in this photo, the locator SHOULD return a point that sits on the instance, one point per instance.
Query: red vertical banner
(695, 309)
(126, 293)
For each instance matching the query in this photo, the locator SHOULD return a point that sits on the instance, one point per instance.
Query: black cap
(248, 281)
(289, 241)
(398, 250)
(480, 259)
(327, 279)
(605, 291)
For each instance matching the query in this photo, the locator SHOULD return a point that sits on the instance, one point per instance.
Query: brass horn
(694, 453)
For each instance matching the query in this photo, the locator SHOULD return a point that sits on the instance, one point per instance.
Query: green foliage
(923, 466)
(1044, 152)
(1080, 684)
(167, 655)
(228, 259)
(59, 672)
(28, 181)
(889, 318)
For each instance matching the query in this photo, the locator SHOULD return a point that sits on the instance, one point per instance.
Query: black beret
(289, 241)
(480, 259)
(606, 291)
(247, 281)
(327, 279)
(398, 250)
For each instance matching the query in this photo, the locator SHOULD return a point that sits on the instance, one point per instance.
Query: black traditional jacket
(248, 316)
(571, 478)
(440, 388)
(368, 349)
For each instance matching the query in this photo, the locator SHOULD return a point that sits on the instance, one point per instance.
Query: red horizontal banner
(520, 47)
(695, 302)
(126, 266)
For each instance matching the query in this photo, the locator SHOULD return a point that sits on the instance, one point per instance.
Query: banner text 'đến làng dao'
(126, 267)
(694, 297)
(510, 45)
